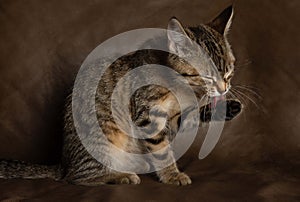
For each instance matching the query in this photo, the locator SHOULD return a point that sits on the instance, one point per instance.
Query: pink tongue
(215, 100)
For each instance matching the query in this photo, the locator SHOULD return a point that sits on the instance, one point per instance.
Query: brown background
(43, 43)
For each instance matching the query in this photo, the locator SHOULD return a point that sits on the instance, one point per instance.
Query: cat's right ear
(223, 21)
(177, 37)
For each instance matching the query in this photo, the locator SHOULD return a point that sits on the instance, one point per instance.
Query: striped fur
(79, 167)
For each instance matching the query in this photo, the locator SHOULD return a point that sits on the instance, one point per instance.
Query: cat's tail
(10, 169)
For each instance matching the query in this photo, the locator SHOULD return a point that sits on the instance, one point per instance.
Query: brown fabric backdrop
(43, 44)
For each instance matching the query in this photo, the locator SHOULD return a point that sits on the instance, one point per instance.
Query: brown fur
(79, 167)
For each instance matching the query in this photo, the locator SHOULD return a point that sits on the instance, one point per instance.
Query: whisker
(250, 87)
(250, 91)
(240, 100)
(248, 97)
(260, 107)
(232, 95)
(245, 64)
(203, 96)
(238, 96)
(229, 95)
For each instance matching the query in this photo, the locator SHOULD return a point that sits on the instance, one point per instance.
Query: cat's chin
(215, 99)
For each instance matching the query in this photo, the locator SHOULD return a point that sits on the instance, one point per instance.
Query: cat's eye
(207, 79)
(228, 77)
(189, 75)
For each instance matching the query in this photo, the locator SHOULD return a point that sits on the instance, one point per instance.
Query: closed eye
(190, 75)
(207, 79)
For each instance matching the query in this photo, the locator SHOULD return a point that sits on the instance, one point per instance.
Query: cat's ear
(223, 21)
(177, 37)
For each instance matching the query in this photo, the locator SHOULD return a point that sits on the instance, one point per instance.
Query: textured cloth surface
(43, 44)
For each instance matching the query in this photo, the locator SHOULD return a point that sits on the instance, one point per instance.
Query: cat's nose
(222, 88)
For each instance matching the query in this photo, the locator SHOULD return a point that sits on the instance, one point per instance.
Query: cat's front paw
(128, 179)
(223, 111)
(176, 179)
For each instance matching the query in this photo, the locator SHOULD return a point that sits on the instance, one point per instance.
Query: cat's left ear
(223, 22)
(178, 40)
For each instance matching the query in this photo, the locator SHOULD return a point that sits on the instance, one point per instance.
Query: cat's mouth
(214, 101)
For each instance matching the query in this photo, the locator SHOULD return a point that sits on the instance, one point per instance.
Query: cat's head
(212, 38)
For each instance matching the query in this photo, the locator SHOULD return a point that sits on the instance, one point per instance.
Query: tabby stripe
(83, 177)
(175, 115)
(155, 141)
(85, 160)
(78, 151)
(91, 168)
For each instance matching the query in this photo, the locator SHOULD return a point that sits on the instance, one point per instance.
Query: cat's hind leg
(111, 177)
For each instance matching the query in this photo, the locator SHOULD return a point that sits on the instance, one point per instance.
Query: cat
(79, 167)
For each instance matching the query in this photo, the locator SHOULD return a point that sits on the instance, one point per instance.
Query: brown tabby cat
(79, 167)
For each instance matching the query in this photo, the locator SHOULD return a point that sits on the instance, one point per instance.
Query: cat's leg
(83, 169)
(125, 143)
(122, 178)
(232, 107)
(93, 173)
(162, 155)
(171, 175)
(112, 177)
